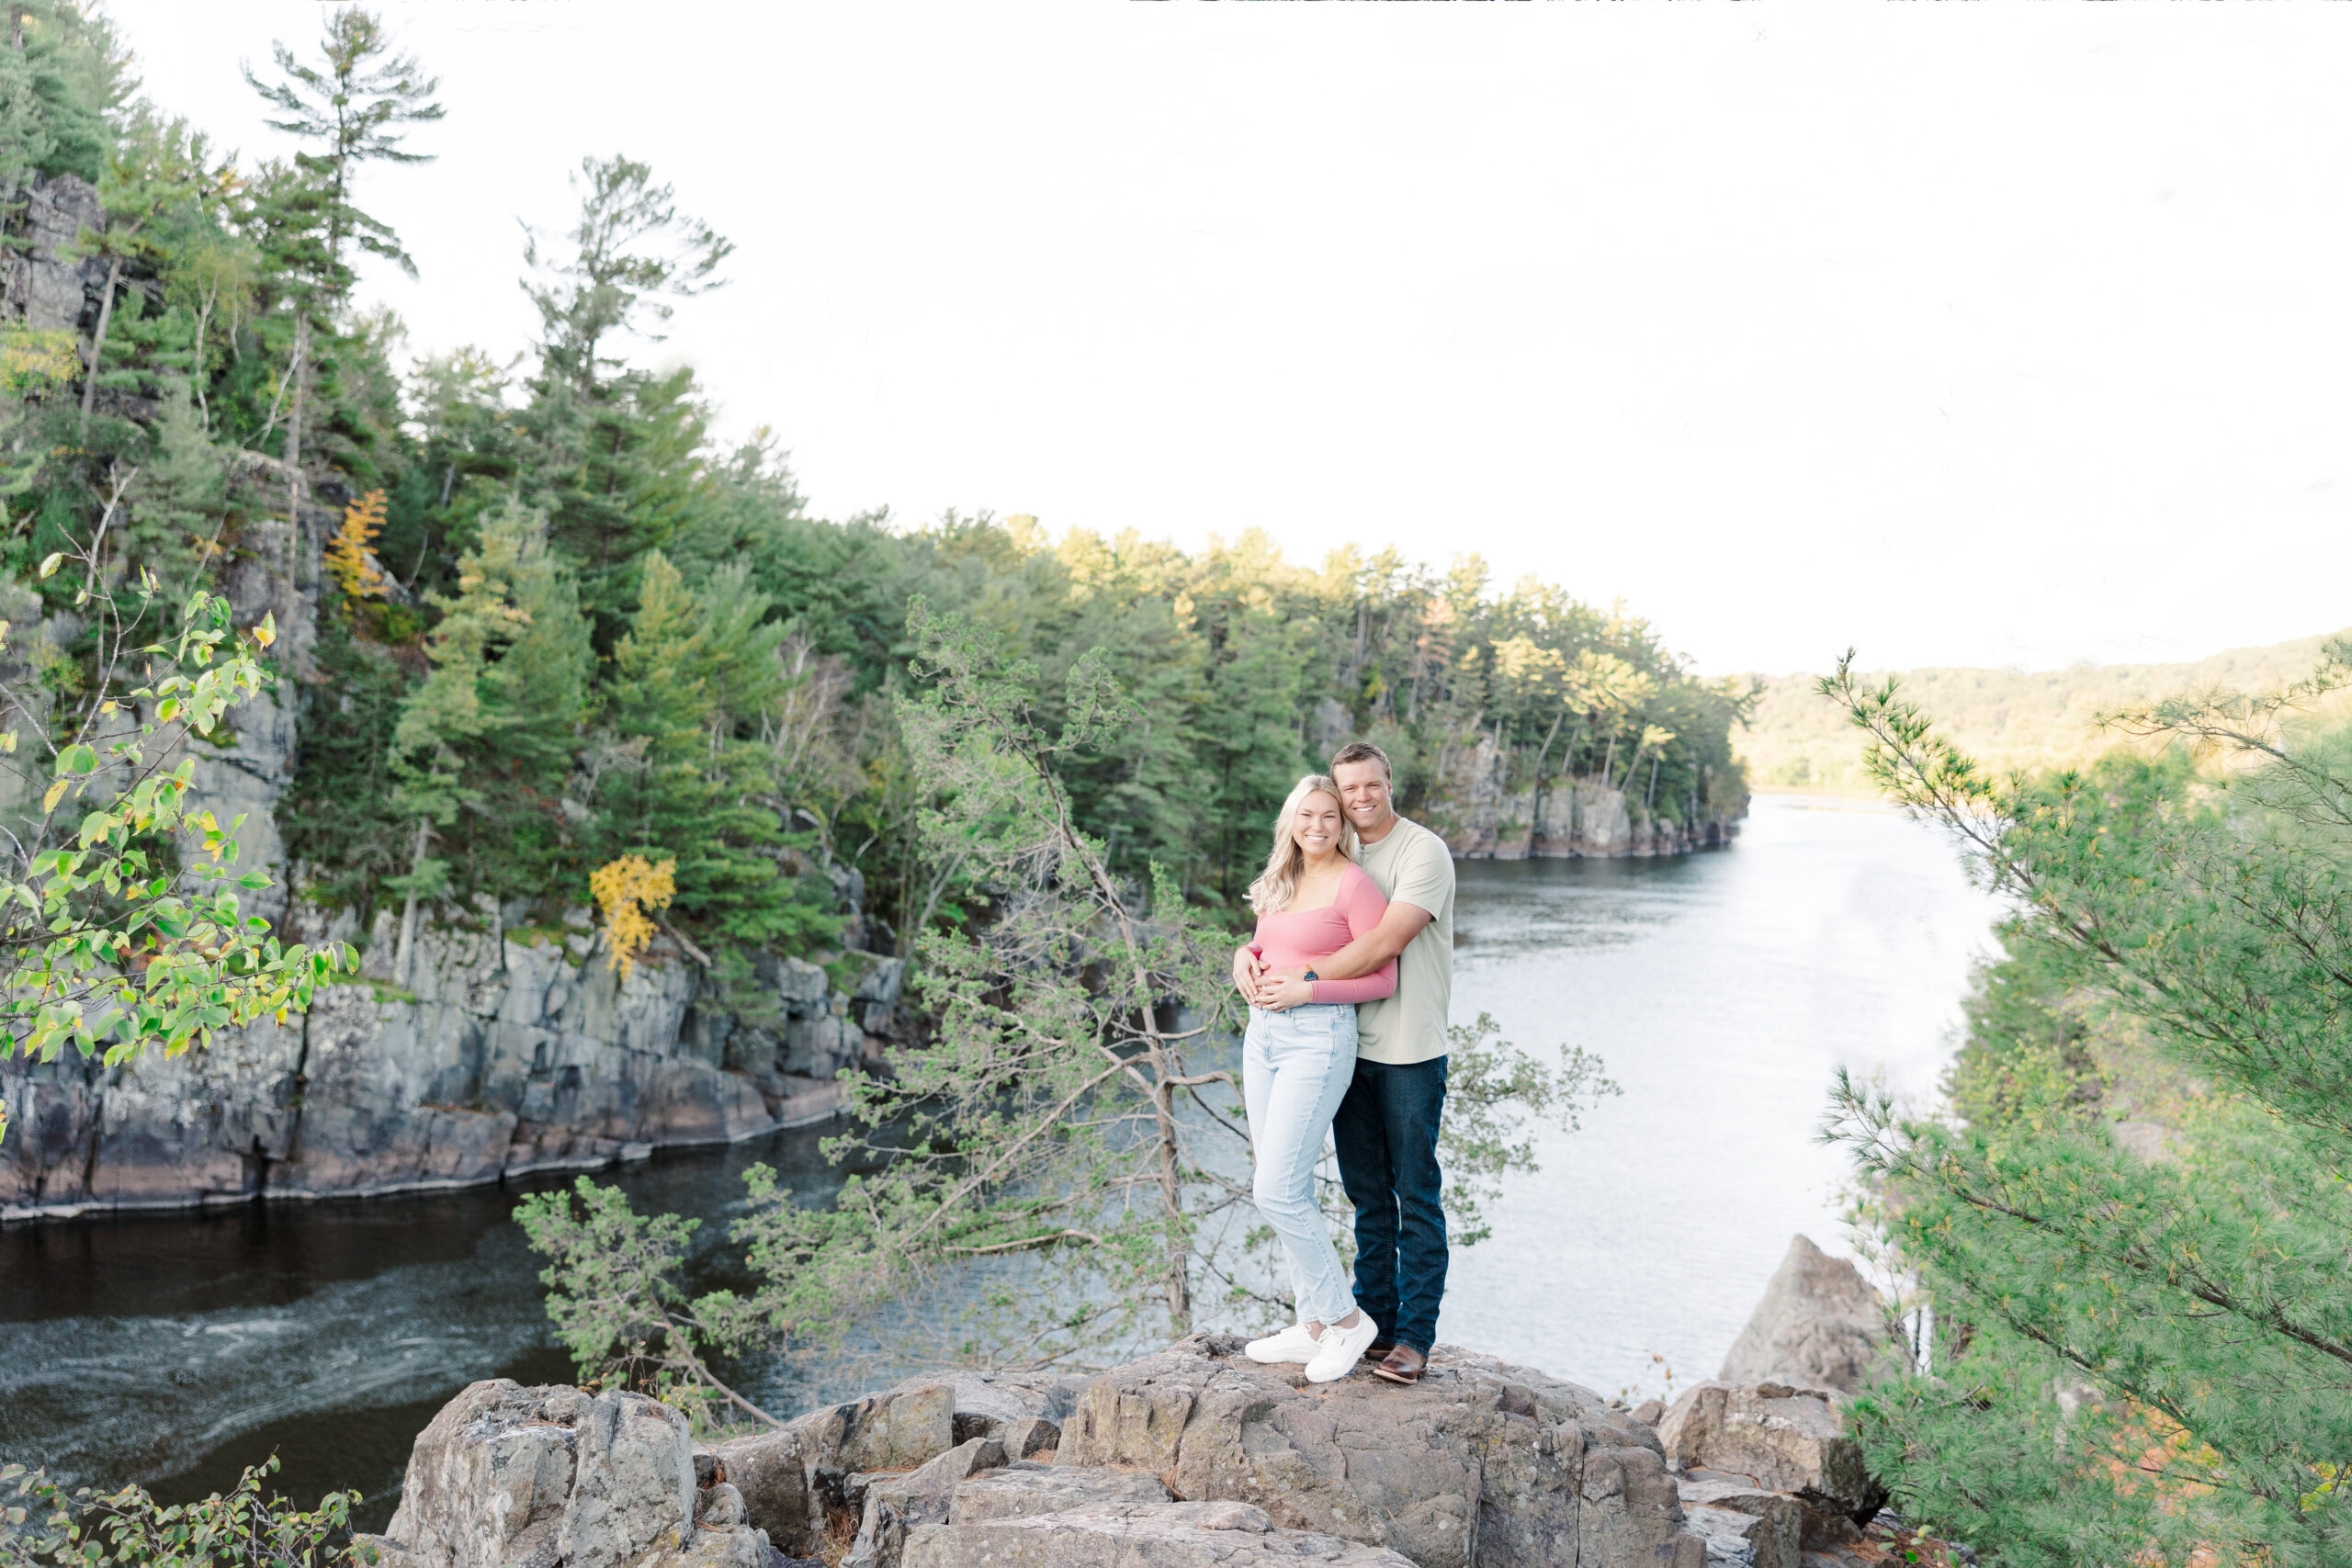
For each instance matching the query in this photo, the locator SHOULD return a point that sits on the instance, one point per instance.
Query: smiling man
(1387, 1128)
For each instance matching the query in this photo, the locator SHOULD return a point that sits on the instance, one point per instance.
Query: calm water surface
(1722, 990)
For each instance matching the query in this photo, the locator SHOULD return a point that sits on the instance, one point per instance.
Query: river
(1722, 989)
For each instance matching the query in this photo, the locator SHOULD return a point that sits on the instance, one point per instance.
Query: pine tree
(485, 747)
(2140, 1358)
(79, 75)
(630, 256)
(618, 444)
(688, 779)
(353, 109)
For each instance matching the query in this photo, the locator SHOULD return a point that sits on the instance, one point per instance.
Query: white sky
(1989, 334)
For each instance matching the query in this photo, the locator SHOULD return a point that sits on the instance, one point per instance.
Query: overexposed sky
(1996, 334)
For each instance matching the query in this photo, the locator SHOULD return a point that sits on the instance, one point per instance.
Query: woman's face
(1316, 825)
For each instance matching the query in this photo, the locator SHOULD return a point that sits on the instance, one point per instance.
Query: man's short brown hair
(1362, 752)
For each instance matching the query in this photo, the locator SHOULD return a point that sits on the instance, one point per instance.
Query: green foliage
(2146, 1343)
(2007, 719)
(345, 830)
(1045, 1117)
(691, 774)
(630, 253)
(351, 107)
(41, 1526)
(1494, 1095)
(616, 1305)
(76, 74)
(2028, 1047)
(1048, 1151)
(127, 931)
(484, 745)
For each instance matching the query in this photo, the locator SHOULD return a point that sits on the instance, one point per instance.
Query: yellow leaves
(56, 792)
(31, 359)
(267, 633)
(1522, 659)
(349, 552)
(625, 889)
(49, 562)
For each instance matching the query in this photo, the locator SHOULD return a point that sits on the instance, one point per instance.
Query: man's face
(1363, 791)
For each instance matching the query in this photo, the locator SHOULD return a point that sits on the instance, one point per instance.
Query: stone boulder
(1195, 1458)
(790, 1477)
(894, 1503)
(1478, 1465)
(1774, 1438)
(775, 1474)
(1819, 1325)
(1745, 1524)
(1023, 1489)
(1164, 1535)
(514, 1477)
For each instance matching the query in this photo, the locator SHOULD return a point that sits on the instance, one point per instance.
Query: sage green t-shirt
(1411, 865)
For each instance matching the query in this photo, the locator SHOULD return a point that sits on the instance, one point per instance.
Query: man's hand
(1245, 971)
(1279, 990)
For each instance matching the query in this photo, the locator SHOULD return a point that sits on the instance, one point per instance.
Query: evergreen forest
(560, 621)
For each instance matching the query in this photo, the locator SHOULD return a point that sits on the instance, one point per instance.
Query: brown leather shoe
(1402, 1364)
(1378, 1349)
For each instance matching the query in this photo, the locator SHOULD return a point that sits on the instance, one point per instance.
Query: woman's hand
(1279, 990)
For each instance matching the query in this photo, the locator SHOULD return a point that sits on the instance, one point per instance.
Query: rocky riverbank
(1488, 808)
(508, 1053)
(1194, 1458)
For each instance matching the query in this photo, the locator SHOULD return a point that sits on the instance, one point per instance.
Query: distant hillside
(2007, 718)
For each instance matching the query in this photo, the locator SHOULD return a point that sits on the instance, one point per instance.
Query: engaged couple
(1349, 979)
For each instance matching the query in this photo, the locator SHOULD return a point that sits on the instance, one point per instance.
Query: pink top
(1297, 939)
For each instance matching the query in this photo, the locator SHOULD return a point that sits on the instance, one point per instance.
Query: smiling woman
(1299, 1061)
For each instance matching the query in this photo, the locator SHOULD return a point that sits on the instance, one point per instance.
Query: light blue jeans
(1295, 1067)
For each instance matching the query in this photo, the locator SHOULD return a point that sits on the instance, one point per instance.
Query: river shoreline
(512, 1055)
(173, 1348)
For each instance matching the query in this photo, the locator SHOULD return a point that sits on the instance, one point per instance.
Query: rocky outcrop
(1772, 1438)
(1123, 1534)
(510, 1052)
(514, 1477)
(1195, 1458)
(1486, 808)
(826, 1462)
(1766, 1470)
(51, 287)
(1819, 1325)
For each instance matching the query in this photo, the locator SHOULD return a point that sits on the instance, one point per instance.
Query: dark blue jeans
(1386, 1137)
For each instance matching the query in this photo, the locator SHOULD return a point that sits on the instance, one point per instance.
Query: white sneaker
(1337, 1353)
(1293, 1344)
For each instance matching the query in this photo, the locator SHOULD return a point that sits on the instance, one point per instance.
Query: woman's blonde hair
(1278, 883)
